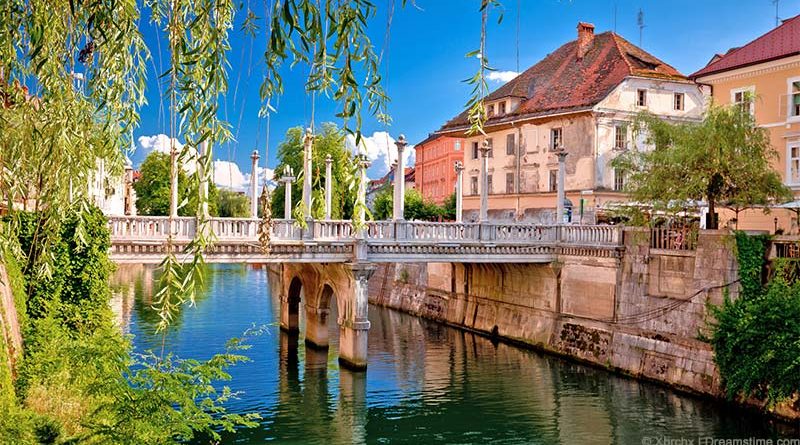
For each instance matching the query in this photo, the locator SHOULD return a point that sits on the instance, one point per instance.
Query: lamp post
(308, 141)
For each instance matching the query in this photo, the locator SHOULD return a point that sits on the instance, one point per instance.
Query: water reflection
(426, 382)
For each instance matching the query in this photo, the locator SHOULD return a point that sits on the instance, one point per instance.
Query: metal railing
(682, 238)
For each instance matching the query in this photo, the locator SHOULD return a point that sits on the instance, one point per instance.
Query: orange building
(764, 75)
(435, 166)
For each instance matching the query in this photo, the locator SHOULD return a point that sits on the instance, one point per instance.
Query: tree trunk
(712, 222)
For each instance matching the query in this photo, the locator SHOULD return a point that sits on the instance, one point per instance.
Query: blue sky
(425, 63)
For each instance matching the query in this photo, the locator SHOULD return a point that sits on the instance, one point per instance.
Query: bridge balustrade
(157, 228)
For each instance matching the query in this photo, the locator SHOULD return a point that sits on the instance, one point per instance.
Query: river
(426, 383)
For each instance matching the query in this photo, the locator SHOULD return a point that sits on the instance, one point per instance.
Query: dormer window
(502, 107)
(490, 110)
(641, 98)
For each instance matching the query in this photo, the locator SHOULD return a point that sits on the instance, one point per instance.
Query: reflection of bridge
(330, 258)
(137, 239)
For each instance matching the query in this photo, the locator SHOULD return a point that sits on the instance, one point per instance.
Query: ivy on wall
(756, 338)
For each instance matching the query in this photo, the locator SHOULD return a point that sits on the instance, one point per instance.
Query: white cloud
(162, 143)
(228, 175)
(380, 148)
(502, 76)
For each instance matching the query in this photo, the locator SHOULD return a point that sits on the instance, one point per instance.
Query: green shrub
(756, 338)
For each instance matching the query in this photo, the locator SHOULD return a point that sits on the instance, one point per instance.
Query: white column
(459, 190)
(308, 141)
(254, 186)
(400, 179)
(560, 189)
(363, 164)
(328, 186)
(484, 215)
(394, 189)
(203, 180)
(287, 179)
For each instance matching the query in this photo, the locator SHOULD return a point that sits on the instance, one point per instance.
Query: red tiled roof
(783, 41)
(561, 82)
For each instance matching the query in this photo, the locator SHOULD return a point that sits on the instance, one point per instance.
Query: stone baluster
(484, 214)
(328, 185)
(363, 164)
(254, 186)
(287, 180)
(459, 195)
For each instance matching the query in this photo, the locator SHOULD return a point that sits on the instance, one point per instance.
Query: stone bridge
(330, 258)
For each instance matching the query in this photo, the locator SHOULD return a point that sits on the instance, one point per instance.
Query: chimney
(585, 37)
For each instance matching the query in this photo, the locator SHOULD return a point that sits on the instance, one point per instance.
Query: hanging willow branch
(71, 82)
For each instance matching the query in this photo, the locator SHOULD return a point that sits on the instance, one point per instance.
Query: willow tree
(723, 160)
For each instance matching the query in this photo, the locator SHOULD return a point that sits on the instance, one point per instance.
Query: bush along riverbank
(78, 381)
(756, 337)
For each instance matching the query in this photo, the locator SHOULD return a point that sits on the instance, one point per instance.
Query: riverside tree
(723, 160)
(153, 193)
(330, 141)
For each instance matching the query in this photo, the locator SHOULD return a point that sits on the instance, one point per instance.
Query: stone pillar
(290, 314)
(317, 327)
(308, 141)
(484, 215)
(254, 186)
(353, 323)
(203, 181)
(560, 189)
(363, 164)
(287, 179)
(459, 190)
(328, 185)
(393, 168)
(400, 180)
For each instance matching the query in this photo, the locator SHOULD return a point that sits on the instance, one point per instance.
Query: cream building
(581, 98)
(764, 76)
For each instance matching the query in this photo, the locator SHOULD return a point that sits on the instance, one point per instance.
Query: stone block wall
(639, 314)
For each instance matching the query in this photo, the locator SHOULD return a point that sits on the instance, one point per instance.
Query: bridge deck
(139, 239)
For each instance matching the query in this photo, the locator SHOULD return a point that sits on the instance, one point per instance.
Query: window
(553, 186)
(641, 98)
(619, 180)
(509, 182)
(678, 102)
(794, 163)
(475, 150)
(490, 111)
(743, 97)
(794, 97)
(556, 138)
(458, 146)
(502, 107)
(473, 185)
(510, 145)
(489, 188)
(491, 147)
(620, 136)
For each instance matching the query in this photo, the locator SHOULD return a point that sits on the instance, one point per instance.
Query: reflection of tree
(144, 280)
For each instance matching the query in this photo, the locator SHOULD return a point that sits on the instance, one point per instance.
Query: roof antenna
(615, 17)
(518, 14)
(640, 22)
(777, 18)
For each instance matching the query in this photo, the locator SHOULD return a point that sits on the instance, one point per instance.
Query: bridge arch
(294, 295)
(318, 315)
